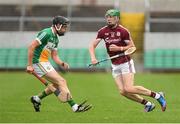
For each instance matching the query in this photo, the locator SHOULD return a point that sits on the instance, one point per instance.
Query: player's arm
(55, 57)
(92, 47)
(31, 49)
(129, 43)
(126, 37)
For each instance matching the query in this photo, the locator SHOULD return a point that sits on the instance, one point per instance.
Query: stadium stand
(165, 21)
(37, 17)
(162, 59)
(162, 21)
(16, 58)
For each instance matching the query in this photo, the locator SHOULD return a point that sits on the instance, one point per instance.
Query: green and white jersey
(48, 41)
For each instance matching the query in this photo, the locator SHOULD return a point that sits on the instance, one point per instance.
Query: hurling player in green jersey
(45, 46)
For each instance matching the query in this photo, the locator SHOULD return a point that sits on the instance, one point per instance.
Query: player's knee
(123, 92)
(64, 91)
(61, 82)
(128, 89)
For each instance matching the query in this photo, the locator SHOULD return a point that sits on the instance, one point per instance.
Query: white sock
(148, 103)
(75, 107)
(157, 96)
(37, 99)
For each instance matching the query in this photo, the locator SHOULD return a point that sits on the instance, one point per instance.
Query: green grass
(99, 88)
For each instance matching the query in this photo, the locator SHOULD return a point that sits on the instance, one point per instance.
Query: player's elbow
(132, 45)
(135, 48)
(31, 47)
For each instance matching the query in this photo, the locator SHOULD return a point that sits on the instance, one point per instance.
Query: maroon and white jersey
(118, 36)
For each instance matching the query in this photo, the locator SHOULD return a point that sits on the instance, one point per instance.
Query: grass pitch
(100, 90)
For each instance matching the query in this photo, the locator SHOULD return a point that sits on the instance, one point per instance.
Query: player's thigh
(127, 71)
(128, 79)
(55, 78)
(119, 82)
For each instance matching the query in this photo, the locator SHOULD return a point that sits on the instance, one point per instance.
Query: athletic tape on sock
(57, 92)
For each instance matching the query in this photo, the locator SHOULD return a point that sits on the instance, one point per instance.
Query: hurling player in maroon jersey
(117, 39)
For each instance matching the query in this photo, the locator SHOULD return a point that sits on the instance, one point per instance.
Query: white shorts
(124, 68)
(42, 68)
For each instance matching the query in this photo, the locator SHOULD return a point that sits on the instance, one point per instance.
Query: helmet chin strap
(58, 30)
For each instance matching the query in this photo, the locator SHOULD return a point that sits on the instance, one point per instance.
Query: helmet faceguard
(62, 22)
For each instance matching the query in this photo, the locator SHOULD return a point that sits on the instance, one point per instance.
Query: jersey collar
(53, 31)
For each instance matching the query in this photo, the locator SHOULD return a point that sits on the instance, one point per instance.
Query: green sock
(42, 95)
(71, 102)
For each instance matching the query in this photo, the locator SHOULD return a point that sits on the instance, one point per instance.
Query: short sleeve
(42, 37)
(99, 35)
(56, 47)
(126, 36)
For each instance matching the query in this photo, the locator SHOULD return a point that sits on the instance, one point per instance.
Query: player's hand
(115, 48)
(94, 61)
(29, 69)
(65, 65)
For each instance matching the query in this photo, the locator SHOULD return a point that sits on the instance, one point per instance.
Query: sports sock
(71, 102)
(73, 105)
(144, 102)
(155, 95)
(42, 95)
